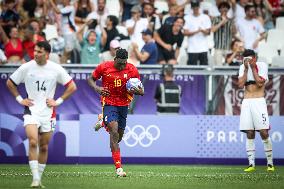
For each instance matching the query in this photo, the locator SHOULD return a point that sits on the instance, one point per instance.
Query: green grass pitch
(144, 177)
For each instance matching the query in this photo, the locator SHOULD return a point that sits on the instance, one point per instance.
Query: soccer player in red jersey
(115, 98)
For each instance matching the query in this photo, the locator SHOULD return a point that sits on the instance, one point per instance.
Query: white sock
(34, 169)
(267, 144)
(41, 169)
(250, 147)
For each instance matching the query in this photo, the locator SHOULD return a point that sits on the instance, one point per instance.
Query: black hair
(121, 53)
(178, 17)
(93, 24)
(45, 45)
(114, 20)
(224, 4)
(248, 7)
(167, 69)
(234, 42)
(249, 52)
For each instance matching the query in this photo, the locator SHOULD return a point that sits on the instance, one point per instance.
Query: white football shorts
(254, 114)
(43, 124)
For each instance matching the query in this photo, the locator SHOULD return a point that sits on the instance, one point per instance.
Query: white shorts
(43, 124)
(254, 115)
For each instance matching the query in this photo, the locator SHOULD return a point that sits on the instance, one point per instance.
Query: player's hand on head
(27, 102)
(252, 63)
(50, 102)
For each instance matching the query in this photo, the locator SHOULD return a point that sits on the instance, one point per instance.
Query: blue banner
(146, 136)
(87, 101)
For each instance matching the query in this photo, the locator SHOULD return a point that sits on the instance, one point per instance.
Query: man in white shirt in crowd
(40, 77)
(197, 27)
(250, 29)
(136, 25)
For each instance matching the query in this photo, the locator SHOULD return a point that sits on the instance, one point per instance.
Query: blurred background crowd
(183, 32)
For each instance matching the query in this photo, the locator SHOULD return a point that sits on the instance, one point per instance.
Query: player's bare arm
(71, 88)
(13, 89)
(243, 79)
(101, 90)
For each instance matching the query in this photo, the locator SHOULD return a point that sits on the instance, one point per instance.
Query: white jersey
(262, 70)
(40, 83)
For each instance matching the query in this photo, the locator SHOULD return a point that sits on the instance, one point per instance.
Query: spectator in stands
(40, 9)
(168, 93)
(197, 27)
(224, 30)
(278, 8)
(169, 39)
(56, 42)
(126, 6)
(110, 32)
(68, 27)
(83, 8)
(132, 56)
(239, 9)
(110, 54)
(264, 13)
(13, 47)
(29, 6)
(29, 42)
(180, 5)
(90, 45)
(136, 25)
(149, 52)
(102, 12)
(250, 29)
(3, 58)
(153, 20)
(235, 58)
(38, 31)
(169, 18)
(9, 16)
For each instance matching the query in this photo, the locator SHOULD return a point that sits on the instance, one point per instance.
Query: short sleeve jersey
(262, 70)
(115, 81)
(40, 83)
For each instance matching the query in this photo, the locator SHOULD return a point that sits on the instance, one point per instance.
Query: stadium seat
(161, 6)
(113, 7)
(275, 37)
(282, 50)
(268, 51)
(122, 30)
(261, 59)
(278, 61)
(280, 23)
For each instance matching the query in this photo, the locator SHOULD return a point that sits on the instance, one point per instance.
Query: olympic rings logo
(138, 134)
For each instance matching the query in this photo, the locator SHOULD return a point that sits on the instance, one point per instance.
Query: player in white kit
(40, 77)
(254, 116)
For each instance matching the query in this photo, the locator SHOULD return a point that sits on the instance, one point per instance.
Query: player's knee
(250, 134)
(43, 148)
(264, 134)
(33, 143)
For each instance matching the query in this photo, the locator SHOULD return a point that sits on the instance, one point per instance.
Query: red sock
(116, 159)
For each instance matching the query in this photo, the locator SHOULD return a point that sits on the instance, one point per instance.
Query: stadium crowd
(184, 32)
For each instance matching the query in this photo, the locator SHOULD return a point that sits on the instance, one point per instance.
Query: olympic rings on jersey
(138, 134)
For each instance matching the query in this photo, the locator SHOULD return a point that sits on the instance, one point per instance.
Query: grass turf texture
(144, 176)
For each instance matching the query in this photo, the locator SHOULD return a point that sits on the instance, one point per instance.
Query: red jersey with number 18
(115, 81)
